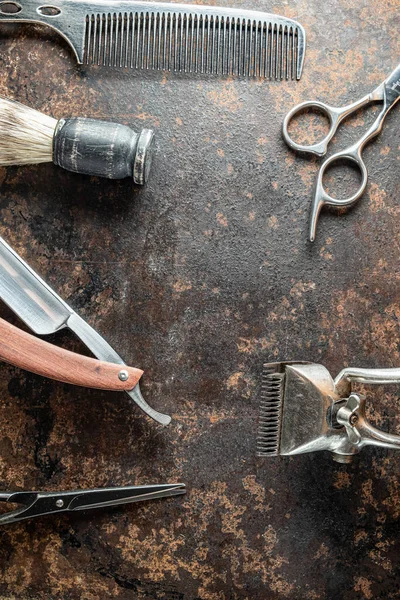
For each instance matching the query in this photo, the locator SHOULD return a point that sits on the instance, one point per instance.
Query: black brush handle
(101, 148)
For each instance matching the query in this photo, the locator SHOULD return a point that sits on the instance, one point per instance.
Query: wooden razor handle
(33, 354)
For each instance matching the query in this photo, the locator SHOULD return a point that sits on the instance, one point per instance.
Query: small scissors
(387, 92)
(38, 504)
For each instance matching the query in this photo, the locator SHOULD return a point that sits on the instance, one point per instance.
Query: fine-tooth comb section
(191, 42)
(269, 429)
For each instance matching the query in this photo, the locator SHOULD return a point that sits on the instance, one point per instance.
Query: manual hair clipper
(303, 409)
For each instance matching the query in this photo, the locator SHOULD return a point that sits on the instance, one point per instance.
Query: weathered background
(199, 278)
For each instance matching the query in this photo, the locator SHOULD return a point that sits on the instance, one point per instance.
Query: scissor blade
(124, 495)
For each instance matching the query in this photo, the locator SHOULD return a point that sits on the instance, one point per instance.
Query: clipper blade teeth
(269, 428)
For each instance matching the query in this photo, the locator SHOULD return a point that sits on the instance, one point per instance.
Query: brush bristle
(269, 429)
(26, 135)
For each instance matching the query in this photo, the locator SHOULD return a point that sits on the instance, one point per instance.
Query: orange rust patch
(273, 222)
(361, 584)
(342, 480)
(227, 97)
(222, 220)
(182, 286)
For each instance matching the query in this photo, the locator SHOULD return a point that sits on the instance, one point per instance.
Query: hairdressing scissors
(38, 504)
(387, 92)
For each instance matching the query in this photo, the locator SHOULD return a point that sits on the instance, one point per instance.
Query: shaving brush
(81, 145)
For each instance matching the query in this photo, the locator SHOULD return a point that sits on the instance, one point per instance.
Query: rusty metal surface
(199, 278)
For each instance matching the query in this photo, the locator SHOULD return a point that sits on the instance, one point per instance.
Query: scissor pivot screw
(123, 375)
(59, 503)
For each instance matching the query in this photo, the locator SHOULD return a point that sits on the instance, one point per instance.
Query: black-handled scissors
(37, 504)
(387, 92)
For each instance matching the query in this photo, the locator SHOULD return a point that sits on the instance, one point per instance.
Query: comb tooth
(287, 54)
(199, 42)
(299, 54)
(238, 46)
(125, 38)
(154, 48)
(94, 38)
(206, 46)
(175, 42)
(190, 38)
(202, 44)
(273, 52)
(170, 38)
(86, 40)
(263, 37)
(218, 44)
(270, 413)
(169, 46)
(244, 48)
(213, 52)
(122, 41)
(154, 23)
(90, 38)
(231, 33)
(100, 40)
(149, 32)
(291, 53)
(248, 55)
(164, 45)
(140, 41)
(159, 32)
(255, 65)
(251, 42)
(261, 59)
(143, 44)
(137, 45)
(223, 43)
(106, 37)
(255, 48)
(278, 54)
(228, 44)
(111, 38)
(281, 52)
(169, 42)
(185, 56)
(112, 42)
(132, 36)
(196, 44)
(115, 47)
(104, 50)
(180, 41)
